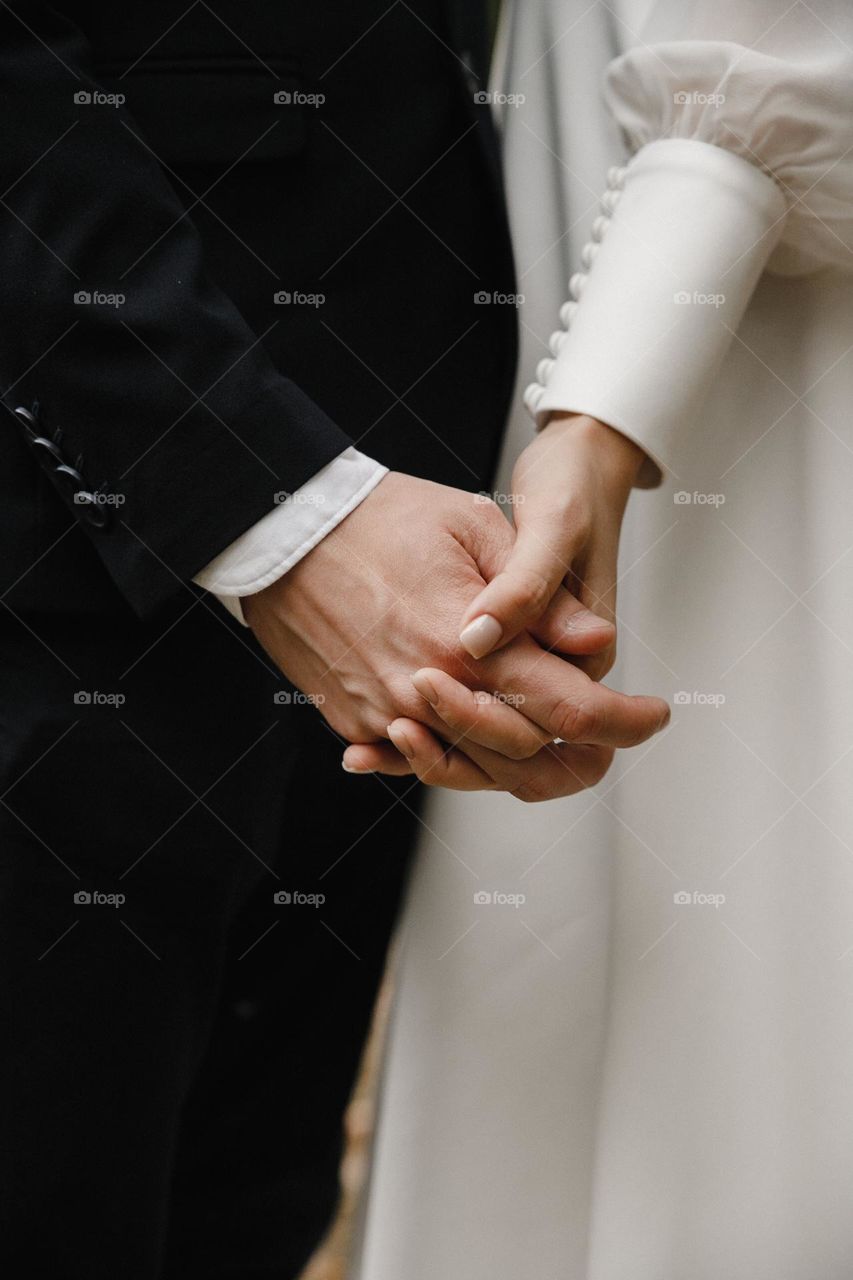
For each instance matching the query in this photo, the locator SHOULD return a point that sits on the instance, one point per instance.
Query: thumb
(569, 627)
(517, 596)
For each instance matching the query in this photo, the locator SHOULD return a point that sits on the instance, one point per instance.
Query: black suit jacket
(235, 239)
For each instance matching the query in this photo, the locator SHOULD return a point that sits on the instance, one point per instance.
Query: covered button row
(536, 390)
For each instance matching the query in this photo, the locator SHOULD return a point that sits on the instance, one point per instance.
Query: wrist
(615, 456)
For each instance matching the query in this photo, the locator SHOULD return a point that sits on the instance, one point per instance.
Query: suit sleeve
(160, 420)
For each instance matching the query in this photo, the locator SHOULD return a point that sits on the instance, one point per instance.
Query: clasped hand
(369, 623)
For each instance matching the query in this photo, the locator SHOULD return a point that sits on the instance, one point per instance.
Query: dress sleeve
(739, 122)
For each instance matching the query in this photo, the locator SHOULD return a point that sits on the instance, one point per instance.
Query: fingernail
(425, 687)
(481, 635)
(401, 742)
(353, 768)
(585, 620)
(664, 720)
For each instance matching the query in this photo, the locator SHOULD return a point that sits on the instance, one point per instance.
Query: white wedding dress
(644, 1071)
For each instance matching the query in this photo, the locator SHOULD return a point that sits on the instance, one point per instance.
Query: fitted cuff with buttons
(685, 231)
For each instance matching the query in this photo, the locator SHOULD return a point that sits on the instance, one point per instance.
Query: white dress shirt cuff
(685, 234)
(287, 533)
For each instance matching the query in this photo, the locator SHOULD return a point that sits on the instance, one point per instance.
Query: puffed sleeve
(739, 120)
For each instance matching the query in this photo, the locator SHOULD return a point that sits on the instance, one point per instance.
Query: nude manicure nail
(481, 635)
(351, 768)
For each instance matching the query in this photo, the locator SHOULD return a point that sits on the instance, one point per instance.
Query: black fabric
(177, 1066)
(180, 402)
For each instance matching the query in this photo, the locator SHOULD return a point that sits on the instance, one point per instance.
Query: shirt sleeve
(737, 121)
(287, 533)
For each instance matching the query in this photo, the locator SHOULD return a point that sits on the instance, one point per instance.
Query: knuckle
(486, 523)
(353, 728)
(528, 793)
(575, 719)
(405, 700)
(531, 590)
(494, 517)
(522, 746)
(366, 730)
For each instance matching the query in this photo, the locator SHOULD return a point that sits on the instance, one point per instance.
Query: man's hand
(570, 486)
(380, 597)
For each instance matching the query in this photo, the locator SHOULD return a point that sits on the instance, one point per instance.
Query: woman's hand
(570, 487)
